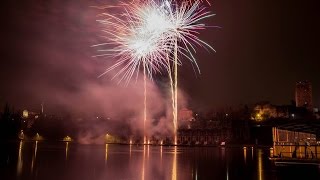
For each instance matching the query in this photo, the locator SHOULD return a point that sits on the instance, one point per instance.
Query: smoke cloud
(54, 66)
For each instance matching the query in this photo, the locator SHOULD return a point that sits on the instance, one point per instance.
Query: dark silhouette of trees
(10, 123)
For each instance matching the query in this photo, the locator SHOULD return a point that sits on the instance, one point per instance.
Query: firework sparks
(136, 39)
(148, 33)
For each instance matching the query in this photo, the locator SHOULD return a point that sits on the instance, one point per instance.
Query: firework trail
(185, 18)
(136, 37)
(148, 34)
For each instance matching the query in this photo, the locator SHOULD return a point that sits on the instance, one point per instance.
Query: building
(265, 110)
(304, 95)
(29, 118)
(214, 129)
(203, 136)
(296, 140)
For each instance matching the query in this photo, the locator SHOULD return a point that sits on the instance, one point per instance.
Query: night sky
(263, 47)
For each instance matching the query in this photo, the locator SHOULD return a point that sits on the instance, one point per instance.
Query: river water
(71, 161)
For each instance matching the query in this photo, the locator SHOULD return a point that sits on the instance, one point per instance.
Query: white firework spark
(146, 32)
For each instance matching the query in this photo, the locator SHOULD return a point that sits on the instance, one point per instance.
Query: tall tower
(304, 94)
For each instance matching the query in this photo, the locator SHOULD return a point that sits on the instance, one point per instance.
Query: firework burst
(147, 31)
(153, 35)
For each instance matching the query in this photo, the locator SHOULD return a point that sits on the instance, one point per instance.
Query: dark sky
(263, 48)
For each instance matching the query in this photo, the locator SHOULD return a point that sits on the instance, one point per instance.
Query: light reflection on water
(20, 161)
(174, 164)
(34, 160)
(67, 149)
(245, 155)
(34, 157)
(143, 162)
(260, 166)
(106, 156)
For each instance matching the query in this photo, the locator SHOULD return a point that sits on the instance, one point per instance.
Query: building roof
(307, 126)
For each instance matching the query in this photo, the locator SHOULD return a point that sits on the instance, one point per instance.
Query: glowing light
(21, 135)
(34, 157)
(20, 161)
(251, 152)
(174, 165)
(107, 138)
(245, 154)
(37, 137)
(148, 151)
(130, 149)
(207, 1)
(144, 103)
(36, 149)
(67, 150)
(259, 117)
(143, 162)
(271, 152)
(147, 34)
(260, 166)
(25, 113)
(148, 31)
(106, 154)
(67, 138)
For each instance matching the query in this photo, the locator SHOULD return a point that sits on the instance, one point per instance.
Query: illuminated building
(296, 140)
(303, 94)
(29, 118)
(264, 111)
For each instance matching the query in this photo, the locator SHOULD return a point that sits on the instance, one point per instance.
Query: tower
(304, 94)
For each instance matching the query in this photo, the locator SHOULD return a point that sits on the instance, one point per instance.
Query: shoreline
(141, 144)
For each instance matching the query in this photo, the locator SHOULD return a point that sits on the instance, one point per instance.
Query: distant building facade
(213, 129)
(303, 95)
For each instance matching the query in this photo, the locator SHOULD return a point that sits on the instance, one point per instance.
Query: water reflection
(20, 161)
(223, 152)
(67, 149)
(227, 173)
(130, 148)
(252, 153)
(143, 162)
(106, 155)
(226, 160)
(34, 157)
(137, 162)
(148, 151)
(260, 166)
(174, 165)
(245, 155)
